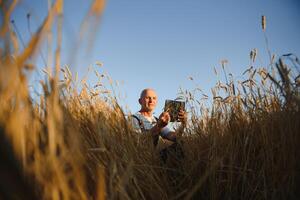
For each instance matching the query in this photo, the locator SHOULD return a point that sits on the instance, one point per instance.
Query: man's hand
(163, 119)
(182, 116)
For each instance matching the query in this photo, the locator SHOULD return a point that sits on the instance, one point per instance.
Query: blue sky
(160, 43)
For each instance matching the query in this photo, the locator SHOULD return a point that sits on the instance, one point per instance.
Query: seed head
(263, 22)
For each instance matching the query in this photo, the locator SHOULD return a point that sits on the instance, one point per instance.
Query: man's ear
(140, 101)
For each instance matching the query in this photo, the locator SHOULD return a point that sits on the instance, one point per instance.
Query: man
(145, 122)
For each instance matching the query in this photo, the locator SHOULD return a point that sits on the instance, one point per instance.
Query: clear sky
(161, 43)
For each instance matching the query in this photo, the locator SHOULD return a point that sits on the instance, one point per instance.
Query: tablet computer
(173, 107)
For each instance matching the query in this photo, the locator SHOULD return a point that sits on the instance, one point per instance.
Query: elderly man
(146, 122)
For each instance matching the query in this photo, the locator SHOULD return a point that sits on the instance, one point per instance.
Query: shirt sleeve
(165, 131)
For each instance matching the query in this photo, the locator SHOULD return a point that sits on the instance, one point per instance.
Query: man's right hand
(163, 119)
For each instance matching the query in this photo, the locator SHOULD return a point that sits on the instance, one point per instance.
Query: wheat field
(75, 142)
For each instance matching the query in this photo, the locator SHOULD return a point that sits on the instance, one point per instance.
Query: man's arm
(173, 134)
(163, 121)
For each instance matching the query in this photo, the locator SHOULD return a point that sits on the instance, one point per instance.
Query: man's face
(148, 101)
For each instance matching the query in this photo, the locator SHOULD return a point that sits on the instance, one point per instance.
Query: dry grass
(78, 145)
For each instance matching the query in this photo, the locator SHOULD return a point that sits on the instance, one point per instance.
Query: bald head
(145, 91)
(148, 99)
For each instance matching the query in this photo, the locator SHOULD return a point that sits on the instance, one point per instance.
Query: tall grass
(79, 145)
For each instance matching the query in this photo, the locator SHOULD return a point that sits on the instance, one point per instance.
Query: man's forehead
(148, 92)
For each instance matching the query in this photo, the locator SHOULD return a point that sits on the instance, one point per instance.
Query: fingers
(182, 116)
(181, 113)
(165, 116)
(164, 119)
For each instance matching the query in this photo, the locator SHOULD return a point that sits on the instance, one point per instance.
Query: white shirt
(148, 123)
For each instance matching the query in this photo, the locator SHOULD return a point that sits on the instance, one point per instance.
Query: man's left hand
(182, 116)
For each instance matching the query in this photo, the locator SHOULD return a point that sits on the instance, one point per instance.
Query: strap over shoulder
(141, 124)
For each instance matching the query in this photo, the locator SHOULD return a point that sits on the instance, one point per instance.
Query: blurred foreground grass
(78, 145)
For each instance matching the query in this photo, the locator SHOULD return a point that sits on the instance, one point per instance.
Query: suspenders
(141, 124)
(142, 127)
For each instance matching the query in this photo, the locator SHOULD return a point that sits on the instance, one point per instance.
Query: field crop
(75, 142)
